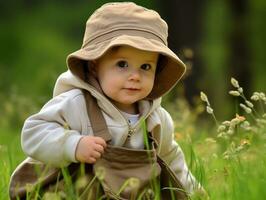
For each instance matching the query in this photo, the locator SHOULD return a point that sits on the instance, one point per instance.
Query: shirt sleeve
(52, 135)
(173, 155)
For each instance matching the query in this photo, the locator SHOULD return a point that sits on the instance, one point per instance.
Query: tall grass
(10, 155)
(235, 168)
(228, 159)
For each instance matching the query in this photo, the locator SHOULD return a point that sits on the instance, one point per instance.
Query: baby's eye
(146, 66)
(122, 64)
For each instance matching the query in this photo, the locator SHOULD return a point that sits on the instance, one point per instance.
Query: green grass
(243, 176)
(11, 155)
(229, 160)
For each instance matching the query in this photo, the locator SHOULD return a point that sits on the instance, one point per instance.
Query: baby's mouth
(132, 89)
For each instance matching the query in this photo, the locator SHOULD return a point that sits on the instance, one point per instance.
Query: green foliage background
(36, 37)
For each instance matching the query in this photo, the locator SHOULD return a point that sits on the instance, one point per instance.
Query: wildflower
(240, 90)
(221, 128)
(241, 118)
(226, 123)
(209, 110)
(223, 135)
(204, 97)
(255, 97)
(234, 82)
(247, 110)
(234, 93)
(244, 142)
(249, 104)
(230, 131)
(261, 95)
(234, 122)
(246, 125)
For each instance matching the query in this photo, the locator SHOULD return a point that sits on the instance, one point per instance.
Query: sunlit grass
(10, 155)
(228, 159)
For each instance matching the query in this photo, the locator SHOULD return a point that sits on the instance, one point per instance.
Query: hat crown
(124, 16)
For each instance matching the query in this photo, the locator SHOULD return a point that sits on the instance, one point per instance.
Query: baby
(126, 65)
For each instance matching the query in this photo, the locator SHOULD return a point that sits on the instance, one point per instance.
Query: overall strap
(97, 120)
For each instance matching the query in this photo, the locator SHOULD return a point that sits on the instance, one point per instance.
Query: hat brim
(170, 74)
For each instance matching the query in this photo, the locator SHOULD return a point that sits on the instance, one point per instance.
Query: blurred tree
(184, 19)
(239, 57)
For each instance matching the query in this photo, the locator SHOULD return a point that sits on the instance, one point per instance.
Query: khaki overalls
(121, 173)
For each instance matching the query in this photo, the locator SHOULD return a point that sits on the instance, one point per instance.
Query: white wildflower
(204, 97)
(241, 118)
(249, 104)
(223, 135)
(230, 131)
(240, 90)
(234, 82)
(226, 123)
(234, 122)
(262, 95)
(209, 110)
(247, 110)
(246, 126)
(234, 93)
(221, 128)
(255, 97)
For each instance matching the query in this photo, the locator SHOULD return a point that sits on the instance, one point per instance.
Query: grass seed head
(204, 97)
(234, 82)
(209, 110)
(245, 108)
(255, 97)
(249, 104)
(226, 123)
(240, 90)
(221, 128)
(234, 93)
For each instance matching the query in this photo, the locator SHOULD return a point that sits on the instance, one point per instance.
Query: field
(229, 159)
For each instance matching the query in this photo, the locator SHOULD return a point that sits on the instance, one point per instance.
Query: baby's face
(126, 75)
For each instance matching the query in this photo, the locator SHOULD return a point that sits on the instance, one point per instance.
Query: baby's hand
(89, 149)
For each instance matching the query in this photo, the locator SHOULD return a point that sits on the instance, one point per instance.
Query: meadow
(228, 157)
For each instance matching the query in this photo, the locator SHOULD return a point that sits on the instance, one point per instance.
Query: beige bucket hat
(125, 23)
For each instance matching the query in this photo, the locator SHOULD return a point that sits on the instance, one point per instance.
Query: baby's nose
(134, 74)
